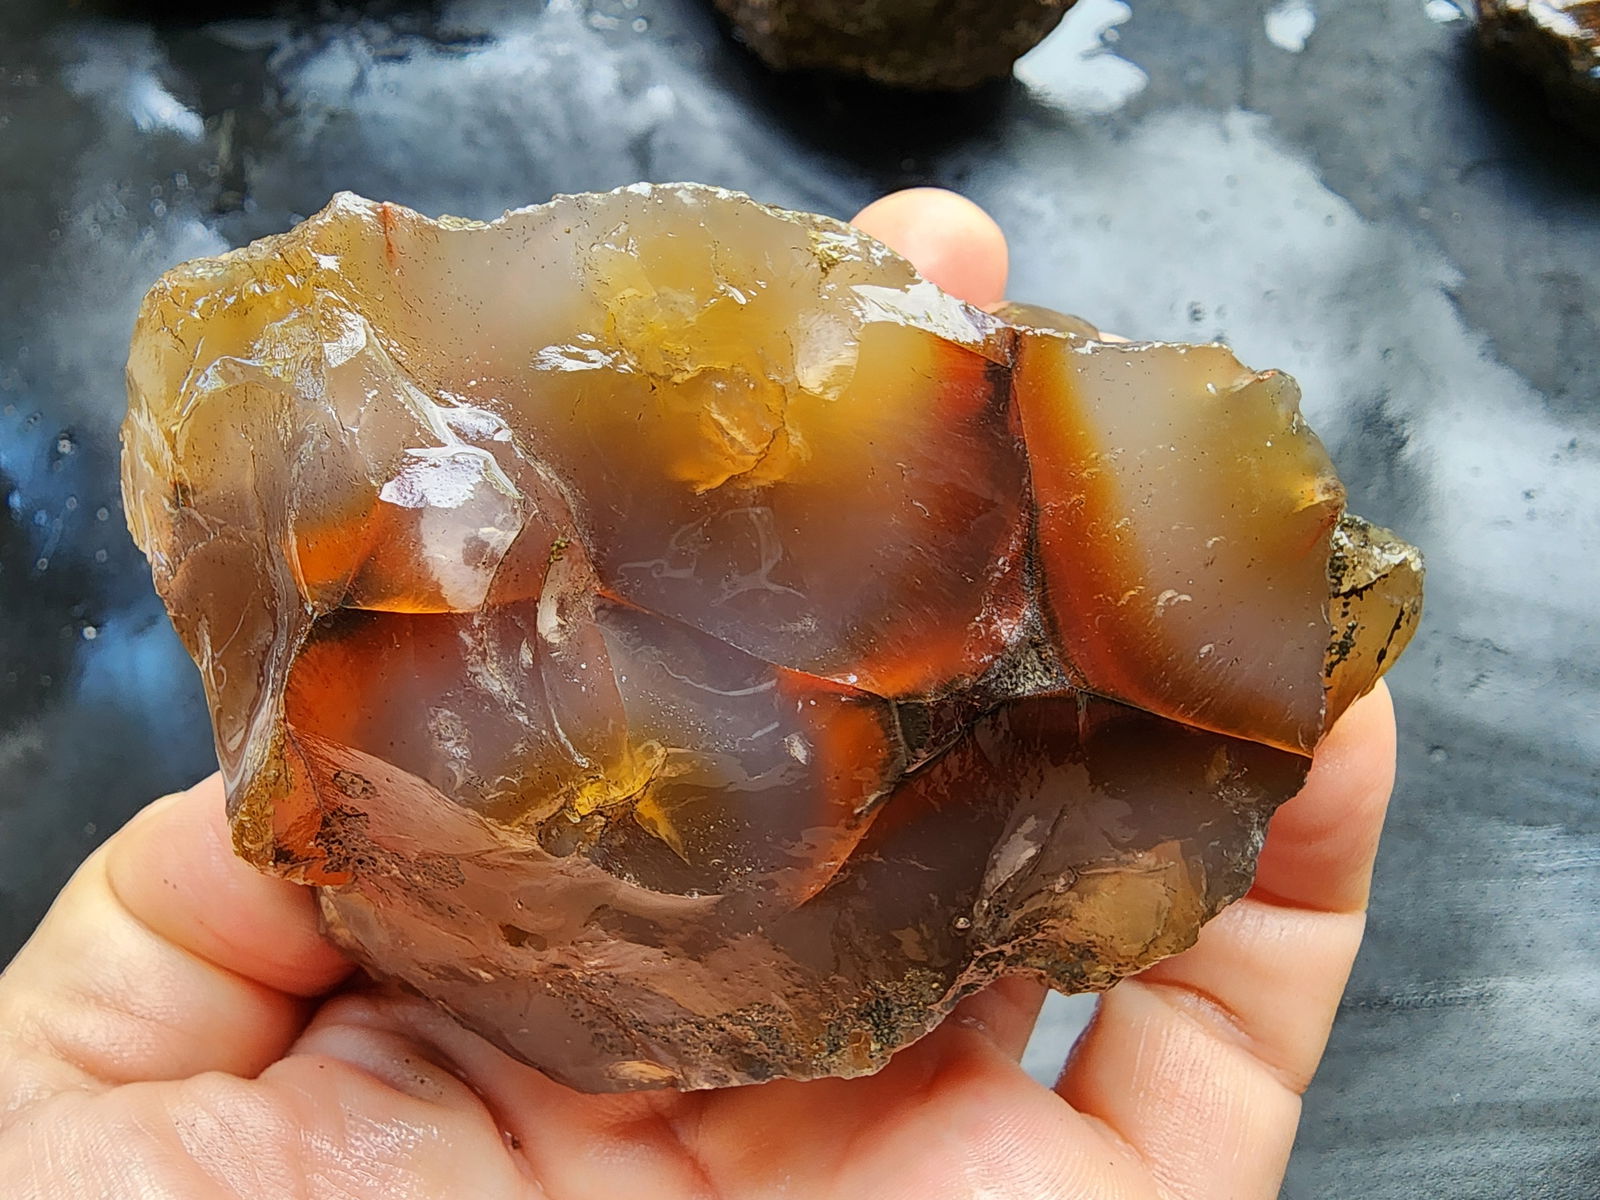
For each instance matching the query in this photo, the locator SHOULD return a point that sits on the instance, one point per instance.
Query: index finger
(949, 239)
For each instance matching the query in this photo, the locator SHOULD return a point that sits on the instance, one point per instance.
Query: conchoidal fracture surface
(693, 649)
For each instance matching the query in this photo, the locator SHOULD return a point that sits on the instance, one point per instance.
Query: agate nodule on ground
(924, 45)
(692, 649)
(1557, 42)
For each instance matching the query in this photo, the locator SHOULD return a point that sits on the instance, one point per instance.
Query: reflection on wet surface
(1333, 189)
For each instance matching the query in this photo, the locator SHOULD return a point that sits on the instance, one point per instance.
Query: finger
(575, 1145)
(1199, 1063)
(308, 1126)
(1005, 1012)
(1322, 843)
(950, 1118)
(949, 239)
(164, 956)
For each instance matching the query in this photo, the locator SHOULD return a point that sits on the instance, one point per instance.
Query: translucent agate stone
(692, 649)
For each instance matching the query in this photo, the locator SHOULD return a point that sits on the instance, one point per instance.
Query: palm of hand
(176, 1027)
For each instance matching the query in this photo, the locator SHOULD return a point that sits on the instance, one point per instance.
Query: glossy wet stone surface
(695, 650)
(1413, 238)
(902, 43)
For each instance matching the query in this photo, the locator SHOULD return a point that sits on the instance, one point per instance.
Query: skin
(177, 1028)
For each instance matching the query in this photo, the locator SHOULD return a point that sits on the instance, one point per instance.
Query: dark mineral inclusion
(692, 649)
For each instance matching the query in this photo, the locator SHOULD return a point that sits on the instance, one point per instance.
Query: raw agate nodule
(692, 649)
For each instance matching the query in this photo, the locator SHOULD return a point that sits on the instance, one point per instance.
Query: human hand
(177, 1028)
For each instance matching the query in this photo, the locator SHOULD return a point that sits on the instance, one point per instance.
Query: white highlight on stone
(1290, 24)
(127, 73)
(1075, 67)
(153, 107)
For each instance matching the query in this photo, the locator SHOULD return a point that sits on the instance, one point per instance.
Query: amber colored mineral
(693, 649)
(925, 45)
(1556, 41)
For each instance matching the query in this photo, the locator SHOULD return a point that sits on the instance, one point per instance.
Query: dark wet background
(1337, 189)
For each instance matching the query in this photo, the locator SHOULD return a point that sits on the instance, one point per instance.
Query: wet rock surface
(694, 649)
(942, 45)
